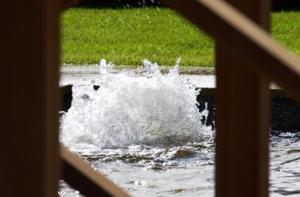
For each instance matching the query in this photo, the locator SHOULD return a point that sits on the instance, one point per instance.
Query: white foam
(133, 107)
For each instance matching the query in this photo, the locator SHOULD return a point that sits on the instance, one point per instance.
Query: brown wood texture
(29, 98)
(243, 108)
(80, 175)
(242, 92)
(242, 115)
(245, 39)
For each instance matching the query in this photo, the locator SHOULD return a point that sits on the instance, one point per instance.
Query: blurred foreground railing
(80, 175)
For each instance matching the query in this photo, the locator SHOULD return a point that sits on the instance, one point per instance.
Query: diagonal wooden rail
(263, 59)
(80, 175)
(244, 37)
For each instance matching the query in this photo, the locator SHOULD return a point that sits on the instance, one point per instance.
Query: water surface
(143, 130)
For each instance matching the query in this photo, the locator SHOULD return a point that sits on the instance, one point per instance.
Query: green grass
(286, 29)
(127, 36)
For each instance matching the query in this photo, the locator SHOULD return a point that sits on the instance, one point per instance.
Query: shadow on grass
(118, 3)
(277, 5)
(286, 5)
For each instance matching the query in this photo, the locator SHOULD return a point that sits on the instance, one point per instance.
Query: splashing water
(133, 107)
(142, 129)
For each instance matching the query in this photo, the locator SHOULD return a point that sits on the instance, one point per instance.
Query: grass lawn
(127, 36)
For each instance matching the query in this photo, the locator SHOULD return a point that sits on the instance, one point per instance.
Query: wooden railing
(78, 174)
(247, 59)
(244, 38)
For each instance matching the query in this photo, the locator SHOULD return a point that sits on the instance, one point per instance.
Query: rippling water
(142, 130)
(187, 170)
(285, 165)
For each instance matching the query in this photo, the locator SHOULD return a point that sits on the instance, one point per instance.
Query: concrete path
(88, 74)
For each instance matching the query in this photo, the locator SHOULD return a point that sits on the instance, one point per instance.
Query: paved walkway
(93, 69)
(88, 75)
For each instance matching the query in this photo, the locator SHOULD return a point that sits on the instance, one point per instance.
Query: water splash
(118, 127)
(133, 107)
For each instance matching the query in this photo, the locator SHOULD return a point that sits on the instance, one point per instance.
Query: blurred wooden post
(29, 163)
(242, 117)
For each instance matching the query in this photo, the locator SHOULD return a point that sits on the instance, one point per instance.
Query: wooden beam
(242, 122)
(81, 176)
(29, 98)
(242, 116)
(245, 39)
(242, 93)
